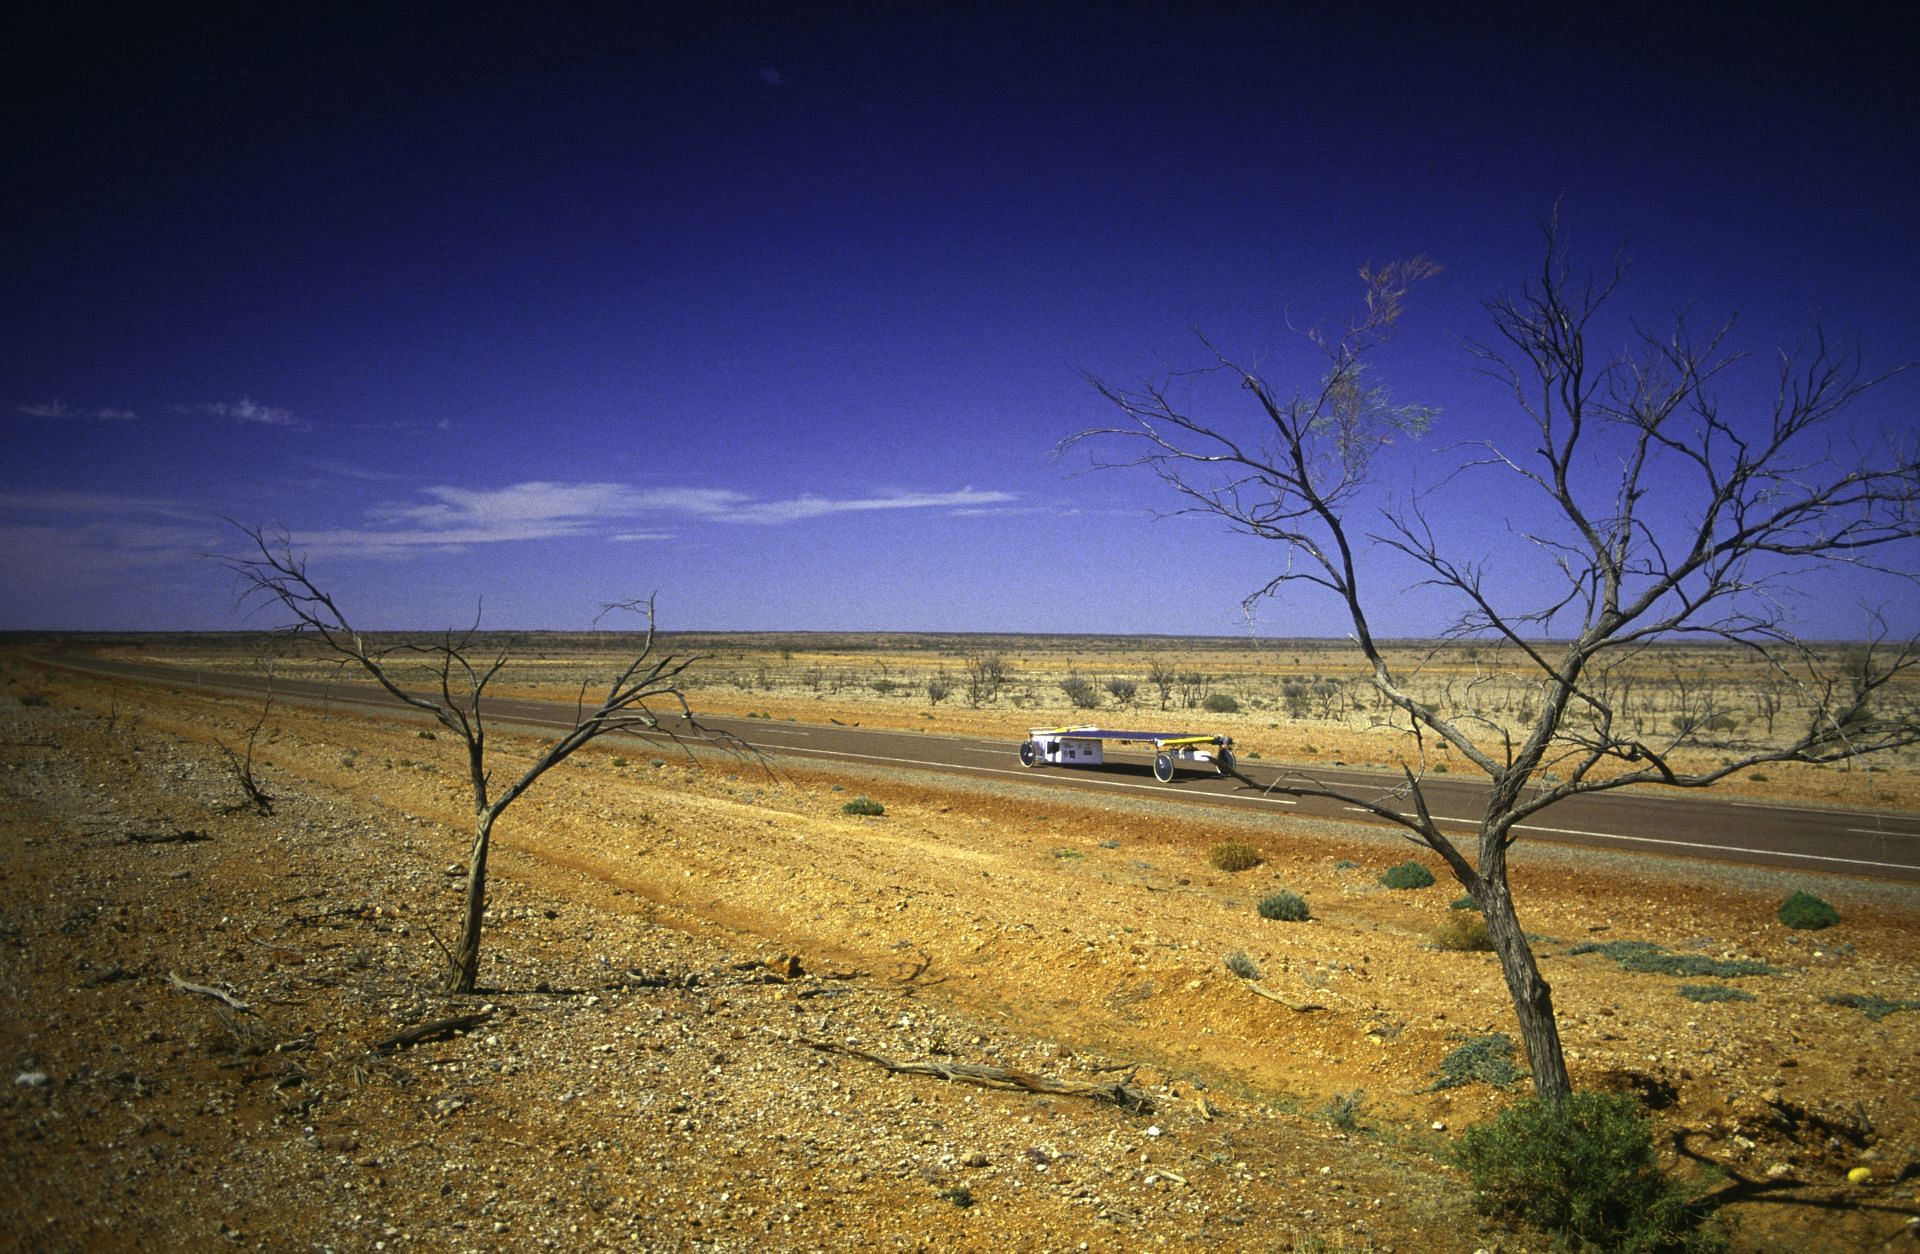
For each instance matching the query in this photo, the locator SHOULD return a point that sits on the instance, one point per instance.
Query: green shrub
(1464, 933)
(1647, 957)
(1488, 1059)
(863, 805)
(1234, 855)
(1220, 703)
(1081, 692)
(1243, 966)
(1407, 875)
(1872, 1005)
(1713, 992)
(1804, 910)
(1285, 906)
(1583, 1171)
(1466, 901)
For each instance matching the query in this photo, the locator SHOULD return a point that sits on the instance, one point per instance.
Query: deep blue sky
(778, 313)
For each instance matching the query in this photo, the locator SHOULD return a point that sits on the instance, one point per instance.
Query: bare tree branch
(1667, 514)
(270, 572)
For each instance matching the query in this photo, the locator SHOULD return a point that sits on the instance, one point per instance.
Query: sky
(779, 314)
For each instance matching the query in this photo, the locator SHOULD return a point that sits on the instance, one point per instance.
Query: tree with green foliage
(1668, 505)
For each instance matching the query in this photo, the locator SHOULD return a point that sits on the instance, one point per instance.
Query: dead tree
(270, 572)
(1665, 511)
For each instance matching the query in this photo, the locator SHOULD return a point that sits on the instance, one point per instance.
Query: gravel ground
(693, 976)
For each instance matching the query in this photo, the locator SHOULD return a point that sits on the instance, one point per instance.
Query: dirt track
(980, 921)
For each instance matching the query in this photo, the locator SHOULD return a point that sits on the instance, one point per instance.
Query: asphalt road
(1879, 844)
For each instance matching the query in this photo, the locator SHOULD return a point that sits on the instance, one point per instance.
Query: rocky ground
(697, 974)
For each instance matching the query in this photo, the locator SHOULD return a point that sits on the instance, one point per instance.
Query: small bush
(657, 763)
(1649, 958)
(1464, 902)
(1233, 855)
(1707, 993)
(1343, 1110)
(1806, 911)
(1407, 875)
(864, 806)
(1081, 692)
(425, 735)
(1463, 933)
(1284, 906)
(1584, 1171)
(1872, 1005)
(1242, 966)
(1220, 703)
(1488, 1059)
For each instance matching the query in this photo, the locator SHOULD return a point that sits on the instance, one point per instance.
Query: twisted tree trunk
(463, 968)
(1532, 995)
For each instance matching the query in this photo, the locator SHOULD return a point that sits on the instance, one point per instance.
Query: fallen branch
(207, 991)
(1118, 1093)
(1270, 995)
(429, 1031)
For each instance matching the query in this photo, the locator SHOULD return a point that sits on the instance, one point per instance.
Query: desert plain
(718, 1011)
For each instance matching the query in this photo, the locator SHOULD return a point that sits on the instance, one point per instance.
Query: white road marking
(1678, 844)
(1161, 790)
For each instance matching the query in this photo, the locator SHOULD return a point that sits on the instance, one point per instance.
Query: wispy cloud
(247, 410)
(69, 501)
(60, 409)
(451, 518)
(347, 470)
(81, 535)
(800, 508)
(772, 77)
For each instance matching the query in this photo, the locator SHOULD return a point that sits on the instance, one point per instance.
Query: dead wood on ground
(1118, 1093)
(1300, 1007)
(431, 1031)
(208, 991)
